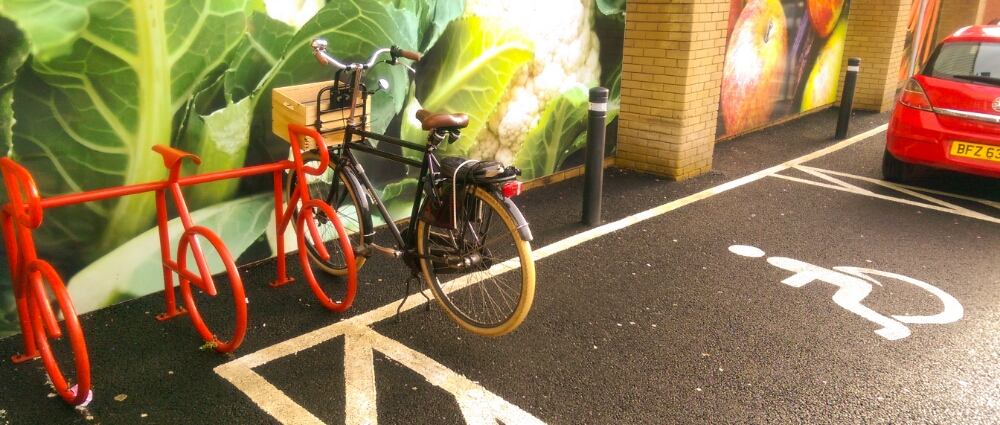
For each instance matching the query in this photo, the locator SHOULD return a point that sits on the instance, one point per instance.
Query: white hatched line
(476, 403)
(932, 202)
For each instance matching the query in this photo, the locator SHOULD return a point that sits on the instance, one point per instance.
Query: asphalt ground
(789, 285)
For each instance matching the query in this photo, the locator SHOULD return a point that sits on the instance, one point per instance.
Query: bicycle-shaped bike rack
(35, 279)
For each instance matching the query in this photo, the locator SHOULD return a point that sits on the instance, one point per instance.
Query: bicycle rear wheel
(491, 272)
(233, 319)
(45, 327)
(337, 190)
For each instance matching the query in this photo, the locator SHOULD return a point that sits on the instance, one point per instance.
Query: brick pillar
(876, 33)
(671, 79)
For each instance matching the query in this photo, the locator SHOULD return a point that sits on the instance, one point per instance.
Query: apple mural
(821, 86)
(755, 65)
(824, 15)
(735, 6)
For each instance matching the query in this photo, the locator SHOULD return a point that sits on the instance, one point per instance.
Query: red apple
(735, 7)
(824, 15)
(755, 66)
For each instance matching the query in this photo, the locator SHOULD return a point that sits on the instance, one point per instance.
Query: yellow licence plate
(975, 150)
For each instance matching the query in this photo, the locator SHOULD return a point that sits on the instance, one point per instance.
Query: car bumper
(918, 137)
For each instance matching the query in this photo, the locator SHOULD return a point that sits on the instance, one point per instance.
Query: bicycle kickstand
(413, 276)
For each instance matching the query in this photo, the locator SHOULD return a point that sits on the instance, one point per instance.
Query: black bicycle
(464, 234)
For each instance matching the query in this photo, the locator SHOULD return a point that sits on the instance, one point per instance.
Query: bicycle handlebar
(396, 52)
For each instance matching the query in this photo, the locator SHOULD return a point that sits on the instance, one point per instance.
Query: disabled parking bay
(790, 285)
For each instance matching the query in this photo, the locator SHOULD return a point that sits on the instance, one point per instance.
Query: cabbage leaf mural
(88, 87)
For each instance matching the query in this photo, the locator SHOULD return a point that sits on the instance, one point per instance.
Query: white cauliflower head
(566, 54)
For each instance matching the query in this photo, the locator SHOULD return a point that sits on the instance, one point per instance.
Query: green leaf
(469, 70)
(218, 118)
(398, 199)
(411, 129)
(614, 85)
(52, 26)
(88, 118)
(433, 17)
(13, 53)
(258, 53)
(560, 132)
(393, 190)
(256, 6)
(134, 268)
(354, 30)
(220, 139)
(611, 7)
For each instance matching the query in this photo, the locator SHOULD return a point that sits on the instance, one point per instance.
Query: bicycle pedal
(390, 252)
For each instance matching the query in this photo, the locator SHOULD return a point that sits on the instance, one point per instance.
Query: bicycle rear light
(512, 188)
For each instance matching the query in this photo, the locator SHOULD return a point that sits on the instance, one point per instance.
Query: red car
(948, 115)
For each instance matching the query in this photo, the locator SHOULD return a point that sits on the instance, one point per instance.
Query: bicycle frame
(356, 127)
(424, 166)
(462, 224)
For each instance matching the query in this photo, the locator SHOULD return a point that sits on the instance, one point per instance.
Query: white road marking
(746, 251)
(916, 192)
(855, 284)
(477, 404)
(852, 291)
(953, 310)
(670, 206)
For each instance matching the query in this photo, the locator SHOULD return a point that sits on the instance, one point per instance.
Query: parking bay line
(916, 192)
(272, 400)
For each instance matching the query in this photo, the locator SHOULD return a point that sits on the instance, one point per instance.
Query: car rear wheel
(895, 170)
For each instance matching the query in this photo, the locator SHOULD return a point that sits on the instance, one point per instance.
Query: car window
(965, 60)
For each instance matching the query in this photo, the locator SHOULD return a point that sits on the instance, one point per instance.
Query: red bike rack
(24, 211)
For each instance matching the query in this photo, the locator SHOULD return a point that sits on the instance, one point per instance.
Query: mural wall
(87, 87)
(925, 43)
(783, 57)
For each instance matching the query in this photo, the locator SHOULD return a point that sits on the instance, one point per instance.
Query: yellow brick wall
(876, 33)
(671, 79)
(956, 14)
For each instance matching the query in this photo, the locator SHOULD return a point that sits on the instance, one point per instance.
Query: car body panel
(965, 111)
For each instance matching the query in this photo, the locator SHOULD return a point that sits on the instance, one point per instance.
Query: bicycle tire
(492, 296)
(239, 311)
(344, 200)
(40, 271)
(342, 288)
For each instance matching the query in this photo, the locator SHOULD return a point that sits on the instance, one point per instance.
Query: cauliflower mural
(566, 57)
(86, 89)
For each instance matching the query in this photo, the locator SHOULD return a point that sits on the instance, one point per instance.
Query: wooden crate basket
(297, 104)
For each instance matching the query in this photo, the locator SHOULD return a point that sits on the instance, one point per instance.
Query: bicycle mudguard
(515, 213)
(364, 202)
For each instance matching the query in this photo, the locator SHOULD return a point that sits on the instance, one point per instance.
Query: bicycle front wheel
(337, 190)
(480, 272)
(53, 341)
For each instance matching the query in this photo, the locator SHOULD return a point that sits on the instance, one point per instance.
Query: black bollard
(847, 99)
(593, 173)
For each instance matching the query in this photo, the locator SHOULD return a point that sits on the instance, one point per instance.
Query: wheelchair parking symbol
(855, 284)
